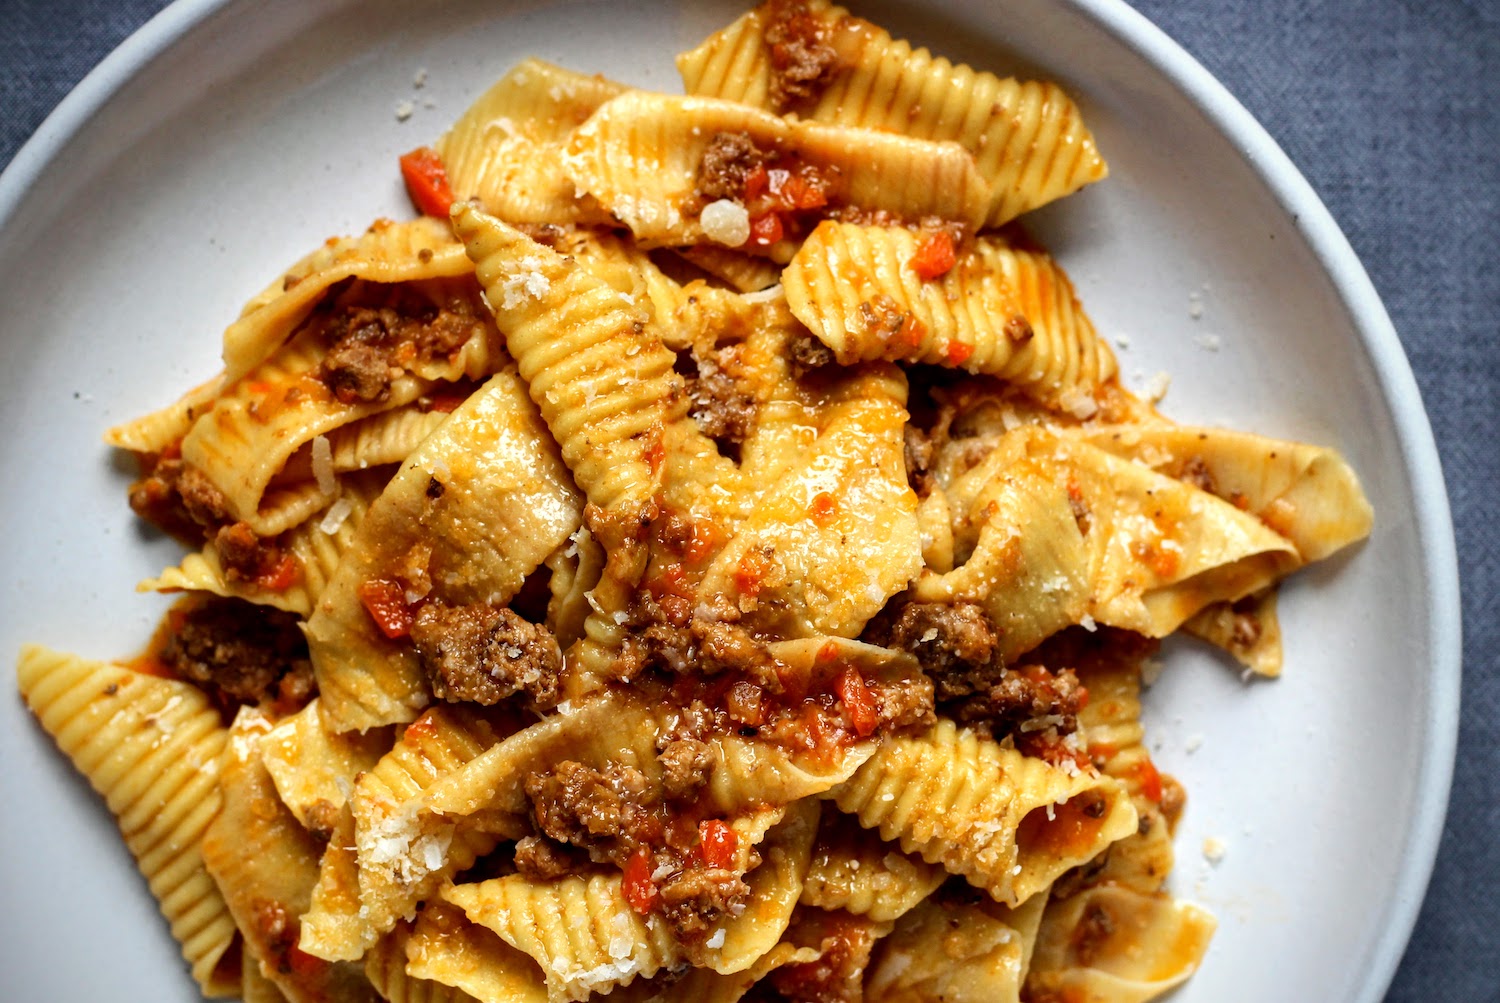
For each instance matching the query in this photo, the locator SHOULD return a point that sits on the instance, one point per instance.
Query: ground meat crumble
(240, 652)
(368, 347)
(484, 654)
(803, 60)
(958, 647)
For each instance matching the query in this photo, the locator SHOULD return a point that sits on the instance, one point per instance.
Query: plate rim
(1317, 226)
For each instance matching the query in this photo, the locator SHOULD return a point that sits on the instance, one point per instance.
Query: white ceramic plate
(229, 136)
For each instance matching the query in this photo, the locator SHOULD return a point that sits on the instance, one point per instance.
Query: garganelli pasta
(708, 555)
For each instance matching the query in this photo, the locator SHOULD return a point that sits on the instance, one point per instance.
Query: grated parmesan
(322, 465)
(725, 222)
(335, 517)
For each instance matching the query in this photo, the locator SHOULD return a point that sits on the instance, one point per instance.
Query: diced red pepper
(716, 843)
(857, 701)
(935, 255)
(749, 575)
(704, 539)
(304, 964)
(639, 889)
(385, 601)
(756, 182)
(427, 181)
(798, 193)
(958, 353)
(280, 576)
(766, 230)
(824, 509)
(1150, 780)
(911, 332)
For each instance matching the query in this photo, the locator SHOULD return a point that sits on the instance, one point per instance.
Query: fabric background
(1392, 110)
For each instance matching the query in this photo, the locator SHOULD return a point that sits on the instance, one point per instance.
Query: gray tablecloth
(1392, 110)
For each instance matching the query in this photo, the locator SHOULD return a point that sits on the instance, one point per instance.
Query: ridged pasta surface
(1000, 310)
(854, 870)
(506, 149)
(960, 800)
(151, 748)
(578, 929)
(1027, 137)
(639, 155)
(503, 502)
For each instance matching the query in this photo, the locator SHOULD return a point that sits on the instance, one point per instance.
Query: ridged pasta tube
(481, 503)
(401, 858)
(444, 946)
(385, 967)
(266, 865)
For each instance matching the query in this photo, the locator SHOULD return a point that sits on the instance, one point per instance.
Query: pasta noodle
(704, 557)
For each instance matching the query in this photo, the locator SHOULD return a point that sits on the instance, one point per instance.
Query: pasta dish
(707, 554)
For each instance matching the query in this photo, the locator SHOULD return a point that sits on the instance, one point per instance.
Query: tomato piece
(704, 540)
(640, 890)
(304, 964)
(385, 601)
(935, 255)
(958, 353)
(717, 843)
(911, 332)
(766, 230)
(750, 573)
(280, 576)
(756, 182)
(803, 193)
(1150, 780)
(824, 509)
(857, 701)
(427, 181)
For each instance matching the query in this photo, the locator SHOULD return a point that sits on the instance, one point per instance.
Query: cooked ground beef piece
(802, 59)
(366, 344)
(543, 859)
(179, 499)
(917, 451)
(590, 808)
(697, 901)
(722, 410)
(906, 704)
(240, 652)
(484, 654)
(807, 353)
(719, 403)
(684, 637)
(1026, 699)
(244, 555)
(1095, 927)
(957, 645)
(726, 163)
(357, 372)
(1196, 473)
(687, 764)
(955, 642)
